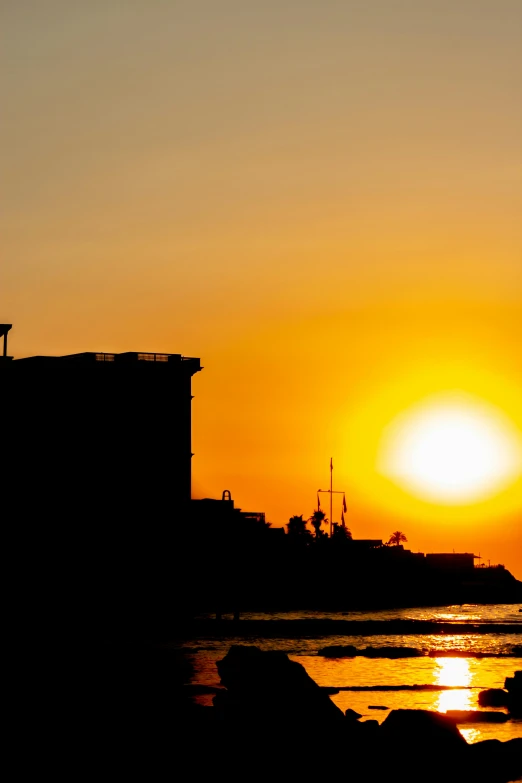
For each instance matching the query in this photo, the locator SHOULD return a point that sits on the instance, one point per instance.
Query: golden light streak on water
(452, 671)
(456, 672)
(471, 735)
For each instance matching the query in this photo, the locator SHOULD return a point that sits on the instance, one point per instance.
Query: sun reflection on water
(456, 672)
(471, 735)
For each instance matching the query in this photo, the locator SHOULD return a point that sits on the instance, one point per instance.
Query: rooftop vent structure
(4, 329)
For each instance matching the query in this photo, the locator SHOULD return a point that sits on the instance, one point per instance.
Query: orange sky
(320, 200)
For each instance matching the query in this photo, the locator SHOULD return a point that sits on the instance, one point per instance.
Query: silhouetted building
(452, 561)
(99, 435)
(366, 544)
(223, 516)
(97, 481)
(237, 554)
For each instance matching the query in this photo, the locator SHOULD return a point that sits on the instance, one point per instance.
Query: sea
(374, 686)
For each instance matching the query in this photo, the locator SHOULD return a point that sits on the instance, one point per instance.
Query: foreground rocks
(513, 685)
(511, 697)
(493, 697)
(424, 733)
(273, 712)
(269, 720)
(268, 688)
(349, 651)
(477, 716)
(492, 760)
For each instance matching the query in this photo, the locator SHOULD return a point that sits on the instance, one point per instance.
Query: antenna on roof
(4, 329)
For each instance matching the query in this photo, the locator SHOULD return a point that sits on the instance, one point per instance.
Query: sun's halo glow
(451, 449)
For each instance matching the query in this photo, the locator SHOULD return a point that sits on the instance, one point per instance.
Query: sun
(451, 449)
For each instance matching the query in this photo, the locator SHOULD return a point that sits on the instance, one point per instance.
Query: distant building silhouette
(225, 510)
(451, 561)
(367, 544)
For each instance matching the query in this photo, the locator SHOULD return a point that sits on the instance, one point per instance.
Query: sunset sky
(322, 200)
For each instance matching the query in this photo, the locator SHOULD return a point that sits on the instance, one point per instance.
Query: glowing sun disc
(451, 449)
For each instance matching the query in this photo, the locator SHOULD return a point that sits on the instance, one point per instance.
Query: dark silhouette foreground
(272, 720)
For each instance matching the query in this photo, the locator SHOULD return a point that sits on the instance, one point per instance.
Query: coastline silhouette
(134, 560)
(119, 483)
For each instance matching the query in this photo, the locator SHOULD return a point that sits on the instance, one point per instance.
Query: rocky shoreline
(269, 718)
(267, 691)
(350, 651)
(317, 628)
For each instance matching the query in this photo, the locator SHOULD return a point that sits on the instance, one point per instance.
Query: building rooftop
(128, 357)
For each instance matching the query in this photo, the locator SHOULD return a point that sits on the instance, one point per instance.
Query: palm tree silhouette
(317, 519)
(340, 533)
(296, 527)
(397, 538)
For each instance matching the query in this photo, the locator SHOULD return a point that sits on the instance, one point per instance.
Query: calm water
(466, 676)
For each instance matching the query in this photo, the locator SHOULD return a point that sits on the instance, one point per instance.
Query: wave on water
(458, 613)
(402, 651)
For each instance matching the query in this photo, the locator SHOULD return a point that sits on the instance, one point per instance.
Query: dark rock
(512, 751)
(492, 761)
(420, 746)
(517, 651)
(513, 685)
(329, 690)
(493, 697)
(477, 716)
(377, 707)
(349, 651)
(266, 688)
(277, 722)
(352, 714)
(421, 732)
(338, 651)
(510, 698)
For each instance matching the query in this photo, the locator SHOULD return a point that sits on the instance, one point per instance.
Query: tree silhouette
(317, 519)
(397, 538)
(297, 529)
(340, 533)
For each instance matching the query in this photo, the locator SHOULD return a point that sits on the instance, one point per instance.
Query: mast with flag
(332, 492)
(331, 495)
